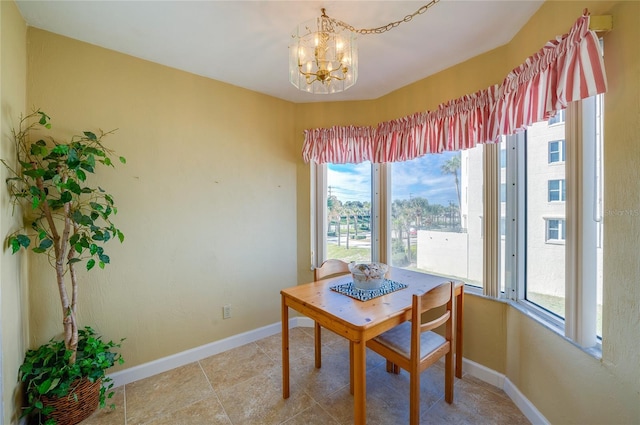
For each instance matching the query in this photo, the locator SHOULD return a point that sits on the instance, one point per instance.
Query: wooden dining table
(359, 321)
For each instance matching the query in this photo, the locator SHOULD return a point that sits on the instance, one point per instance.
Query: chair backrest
(331, 267)
(436, 297)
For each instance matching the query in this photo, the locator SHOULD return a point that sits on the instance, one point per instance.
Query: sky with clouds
(420, 177)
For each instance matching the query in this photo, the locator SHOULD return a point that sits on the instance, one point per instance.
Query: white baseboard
(164, 364)
(483, 373)
(497, 379)
(526, 407)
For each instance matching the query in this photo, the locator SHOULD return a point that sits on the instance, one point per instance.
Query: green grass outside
(556, 305)
(352, 254)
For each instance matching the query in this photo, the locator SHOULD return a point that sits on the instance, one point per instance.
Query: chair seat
(399, 340)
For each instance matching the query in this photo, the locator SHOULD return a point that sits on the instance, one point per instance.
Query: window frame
(561, 190)
(561, 151)
(577, 317)
(561, 229)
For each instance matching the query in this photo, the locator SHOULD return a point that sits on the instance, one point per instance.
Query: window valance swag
(566, 69)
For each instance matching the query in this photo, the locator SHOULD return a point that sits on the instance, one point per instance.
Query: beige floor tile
(256, 401)
(235, 366)
(204, 412)
(300, 344)
(315, 415)
(165, 393)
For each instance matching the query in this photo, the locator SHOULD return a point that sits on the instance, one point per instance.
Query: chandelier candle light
(323, 56)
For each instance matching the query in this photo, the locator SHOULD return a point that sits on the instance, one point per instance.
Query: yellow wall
(215, 181)
(205, 200)
(13, 290)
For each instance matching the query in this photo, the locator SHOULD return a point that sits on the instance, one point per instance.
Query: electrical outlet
(226, 311)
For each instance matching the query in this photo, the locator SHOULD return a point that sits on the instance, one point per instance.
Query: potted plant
(69, 220)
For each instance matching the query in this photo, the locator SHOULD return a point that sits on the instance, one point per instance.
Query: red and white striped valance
(566, 69)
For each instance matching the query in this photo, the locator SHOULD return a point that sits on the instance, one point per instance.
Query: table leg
(360, 382)
(459, 311)
(351, 367)
(285, 349)
(317, 336)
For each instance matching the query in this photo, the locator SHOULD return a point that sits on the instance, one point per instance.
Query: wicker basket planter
(78, 405)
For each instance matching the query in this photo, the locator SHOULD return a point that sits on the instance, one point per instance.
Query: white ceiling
(245, 43)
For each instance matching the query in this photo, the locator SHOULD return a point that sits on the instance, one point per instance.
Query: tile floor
(244, 386)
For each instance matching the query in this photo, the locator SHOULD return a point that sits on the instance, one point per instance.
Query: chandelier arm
(384, 28)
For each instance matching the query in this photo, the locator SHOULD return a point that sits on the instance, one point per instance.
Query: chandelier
(323, 56)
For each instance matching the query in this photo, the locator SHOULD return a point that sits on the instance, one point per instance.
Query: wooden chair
(414, 347)
(326, 269)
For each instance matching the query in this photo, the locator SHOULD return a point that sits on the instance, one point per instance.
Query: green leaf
(101, 264)
(15, 245)
(93, 248)
(44, 386)
(120, 236)
(72, 159)
(38, 404)
(90, 136)
(39, 250)
(82, 176)
(123, 159)
(35, 203)
(91, 160)
(44, 118)
(76, 216)
(108, 198)
(65, 197)
(26, 165)
(107, 161)
(42, 234)
(87, 167)
(45, 244)
(34, 173)
(105, 258)
(54, 383)
(61, 149)
(74, 187)
(74, 260)
(74, 239)
(23, 240)
(90, 264)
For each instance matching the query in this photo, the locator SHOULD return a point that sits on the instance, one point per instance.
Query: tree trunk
(348, 230)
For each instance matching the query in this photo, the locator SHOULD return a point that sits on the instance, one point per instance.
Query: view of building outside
(545, 216)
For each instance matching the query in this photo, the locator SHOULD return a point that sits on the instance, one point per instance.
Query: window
(349, 211)
(436, 214)
(552, 266)
(557, 191)
(558, 118)
(556, 151)
(555, 230)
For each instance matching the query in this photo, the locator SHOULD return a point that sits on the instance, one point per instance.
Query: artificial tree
(67, 218)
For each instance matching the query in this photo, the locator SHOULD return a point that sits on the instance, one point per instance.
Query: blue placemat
(350, 290)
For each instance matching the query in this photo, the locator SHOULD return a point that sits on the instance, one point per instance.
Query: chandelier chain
(384, 28)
